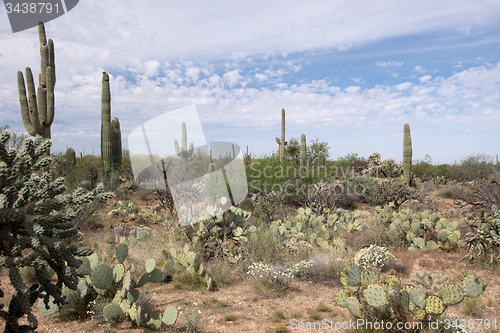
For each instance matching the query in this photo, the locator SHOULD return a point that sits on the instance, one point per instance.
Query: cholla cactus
(373, 256)
(35, 228)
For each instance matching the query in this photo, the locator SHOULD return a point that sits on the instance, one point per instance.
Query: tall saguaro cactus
(282, 142)
(407, 154)
(303, 150)
(111, 142)
(183, 151)
(106, 124)
(37, 112)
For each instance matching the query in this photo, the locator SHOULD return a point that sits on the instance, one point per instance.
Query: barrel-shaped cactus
(37, 111)
(407, 154)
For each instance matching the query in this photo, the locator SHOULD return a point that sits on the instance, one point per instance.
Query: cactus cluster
(421, 231)
(483, 239)
(318, 230)
(188, 261)
(37, 112)
(366, 296)
(378, 168)
(219, 225)
(111, 144)
(36, 228)
(112, 281)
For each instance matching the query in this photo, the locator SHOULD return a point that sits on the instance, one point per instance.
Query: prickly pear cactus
(389, 301)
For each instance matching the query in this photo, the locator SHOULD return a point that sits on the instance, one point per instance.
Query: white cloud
(352, 89)
(420, 69)
(193, 73)
(261, 77)
(404, 86)
(425, 78)
(358, 80)
(389, 63)
(232, 77)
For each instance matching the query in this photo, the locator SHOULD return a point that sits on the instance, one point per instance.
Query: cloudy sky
(350, 73)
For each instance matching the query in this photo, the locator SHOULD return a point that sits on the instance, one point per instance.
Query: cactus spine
(111, 145)
(303, 150)
(37, 112)
(282, 142)
(183, 151)
(407, 153)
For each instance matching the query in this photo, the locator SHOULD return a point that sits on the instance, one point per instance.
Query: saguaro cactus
(70, 166)
(303, 150)
(407, 154)
(116, 144)
(183, 151)
(37, 112)
(106, 124)
(282, 143)
(111, 142)
(321, 159)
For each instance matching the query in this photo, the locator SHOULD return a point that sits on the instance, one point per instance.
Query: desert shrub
(359, 165)
(482, 194)
(477, 165)
(299, 249)
(267, 205)
(324, 197)
(373, 256)
(392, 190)
(270, 279)
(263, 245)
(321, 268)
(483, 239)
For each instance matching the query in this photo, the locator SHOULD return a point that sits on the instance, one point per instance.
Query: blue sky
(350, 73)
